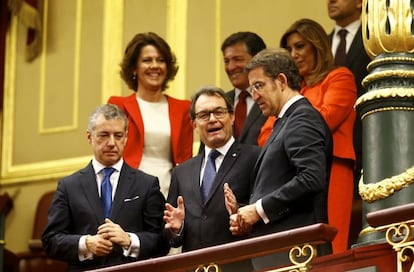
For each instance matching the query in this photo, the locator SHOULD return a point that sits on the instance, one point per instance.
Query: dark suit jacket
(292, 171)
(208, 224)
(76, 210)
(254, 122)
(357, 60)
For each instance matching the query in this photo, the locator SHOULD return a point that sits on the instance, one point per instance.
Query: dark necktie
(106, 191)
(209, 174)
(340, 55)
(240, 114)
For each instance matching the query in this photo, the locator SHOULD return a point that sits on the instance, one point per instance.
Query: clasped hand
(108, 234)
(241, 219)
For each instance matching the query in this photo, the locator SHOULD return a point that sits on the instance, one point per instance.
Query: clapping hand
(174, 217)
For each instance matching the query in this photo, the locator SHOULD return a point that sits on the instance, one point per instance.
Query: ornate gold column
(387, 109)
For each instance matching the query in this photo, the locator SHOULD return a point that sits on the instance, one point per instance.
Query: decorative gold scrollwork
(300, 256)
(212, 267)
(375, 191)
(400, 237)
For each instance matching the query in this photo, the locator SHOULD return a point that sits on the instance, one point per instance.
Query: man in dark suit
(238, 49)
(292, 171)
(201, 221)
(78, 231)
(346, 14)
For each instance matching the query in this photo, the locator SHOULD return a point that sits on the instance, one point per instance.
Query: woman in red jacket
(160, 133)
(332, 91)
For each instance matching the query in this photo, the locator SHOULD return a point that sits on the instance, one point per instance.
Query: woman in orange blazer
(160, 133)
(332, 92)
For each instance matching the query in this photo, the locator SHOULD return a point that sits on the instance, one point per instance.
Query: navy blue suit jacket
(292, 171)
(208, 224)
(76, 210)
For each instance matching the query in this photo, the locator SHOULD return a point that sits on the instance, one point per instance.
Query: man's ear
(89, 136)
(281, 77)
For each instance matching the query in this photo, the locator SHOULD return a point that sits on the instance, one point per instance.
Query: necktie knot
(342, 33)
(243, 95)
(108, 171)
(213, 154)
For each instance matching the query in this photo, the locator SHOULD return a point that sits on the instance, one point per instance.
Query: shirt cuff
(83, 253)
(134, 247)
(261, 212)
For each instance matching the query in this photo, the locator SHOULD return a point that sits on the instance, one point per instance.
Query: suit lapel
(355, 48)
(90, 189)
(126, 179)
(252, 117)
(194, 177)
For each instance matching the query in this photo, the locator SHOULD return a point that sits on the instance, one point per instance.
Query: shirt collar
(97, 166)
(222, 149)
(352, 28)
(288, 104)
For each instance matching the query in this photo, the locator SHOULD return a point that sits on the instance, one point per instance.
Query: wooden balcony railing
(397, 222)
(300, 241)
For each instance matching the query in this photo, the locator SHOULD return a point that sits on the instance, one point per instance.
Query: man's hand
(230, 199)
(248, 214)
(242, 222)
(174, 217)
(98, 245)
(114, 233)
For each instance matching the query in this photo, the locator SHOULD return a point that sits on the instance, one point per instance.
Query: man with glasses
(292, 171)
(200, 218)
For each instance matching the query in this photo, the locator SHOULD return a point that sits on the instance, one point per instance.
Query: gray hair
(108, 111)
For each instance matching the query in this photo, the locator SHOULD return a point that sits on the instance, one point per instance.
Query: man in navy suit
(77, 230)
(238, 49)
(199, 221)
(292, 171)
(346, 14)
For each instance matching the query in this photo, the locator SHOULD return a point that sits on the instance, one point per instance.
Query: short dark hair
(209, 91)
(109, 112)
(276, 61)
(253, 42)
(132, 52)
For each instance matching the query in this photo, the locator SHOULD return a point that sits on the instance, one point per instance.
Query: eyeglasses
(257, 87)
(218, 113)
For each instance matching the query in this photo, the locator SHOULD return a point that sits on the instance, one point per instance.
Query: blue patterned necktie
(106, 191)
(209, 174)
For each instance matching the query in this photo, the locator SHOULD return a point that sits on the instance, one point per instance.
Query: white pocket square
(130, 199)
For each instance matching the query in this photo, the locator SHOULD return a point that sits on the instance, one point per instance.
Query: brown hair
(132, 52)
(316, 35)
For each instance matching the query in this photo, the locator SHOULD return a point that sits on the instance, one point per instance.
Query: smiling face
(236, 58)
(215, 132)
(151, 70)
(303, 53)
(108, 139)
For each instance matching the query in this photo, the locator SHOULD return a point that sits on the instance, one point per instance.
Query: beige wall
(47, 101)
